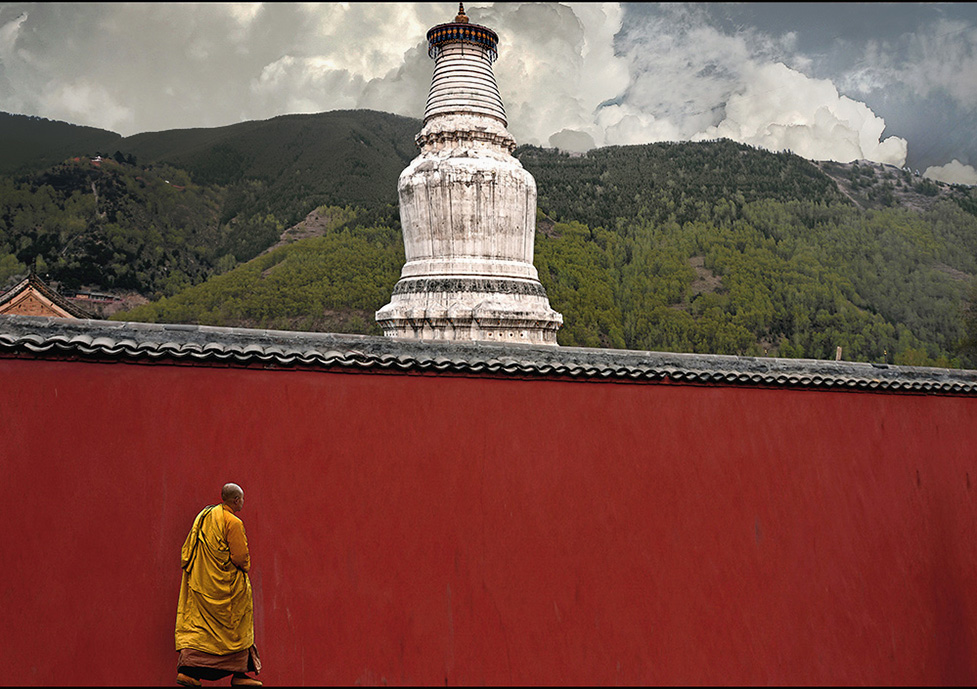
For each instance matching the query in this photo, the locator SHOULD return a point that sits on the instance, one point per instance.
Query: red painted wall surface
(432, 529)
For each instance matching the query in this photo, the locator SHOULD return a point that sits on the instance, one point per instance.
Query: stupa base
(485, 321)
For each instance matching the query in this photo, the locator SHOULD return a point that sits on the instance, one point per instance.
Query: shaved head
(231, 491)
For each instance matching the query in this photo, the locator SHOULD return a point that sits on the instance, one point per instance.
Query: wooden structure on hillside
(33, 297)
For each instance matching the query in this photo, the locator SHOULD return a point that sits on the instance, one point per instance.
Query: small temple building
(33, 297)
(468, 210)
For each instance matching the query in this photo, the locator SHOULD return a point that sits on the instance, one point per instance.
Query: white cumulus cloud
(557, 64)
(953, 172)
(781, 109)
(573, 75)
(691, 81)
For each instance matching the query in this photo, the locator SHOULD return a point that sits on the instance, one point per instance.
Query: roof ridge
(48, 292)
(44, 337)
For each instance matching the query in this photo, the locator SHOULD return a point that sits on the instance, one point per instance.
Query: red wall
(437, 529)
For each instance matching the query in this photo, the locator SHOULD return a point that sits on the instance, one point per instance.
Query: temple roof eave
(452, 32)
(33, 283)
(41, 337)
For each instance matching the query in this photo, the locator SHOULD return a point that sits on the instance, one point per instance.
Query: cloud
(682, 72)
(556, 65)
(84, 102)
(692, 81)
(572, 141)
(244, 12)
(781, 109)
(571, 75)
(953, 172)
(941, 57)
(305, 85)
(9, 31)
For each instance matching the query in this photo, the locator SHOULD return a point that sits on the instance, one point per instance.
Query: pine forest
(292, 223)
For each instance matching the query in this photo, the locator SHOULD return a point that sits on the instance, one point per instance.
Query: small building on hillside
(33, 297)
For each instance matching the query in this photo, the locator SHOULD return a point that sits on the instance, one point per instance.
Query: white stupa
(468, 210)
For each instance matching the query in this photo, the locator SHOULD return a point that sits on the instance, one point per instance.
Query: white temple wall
(463, 80)
(473, 207)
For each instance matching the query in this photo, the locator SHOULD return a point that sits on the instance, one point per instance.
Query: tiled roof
(205, 345)
(32, 281)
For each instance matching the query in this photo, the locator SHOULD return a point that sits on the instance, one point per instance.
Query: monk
(215, 615)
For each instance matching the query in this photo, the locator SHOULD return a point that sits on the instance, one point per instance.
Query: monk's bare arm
(237, 541)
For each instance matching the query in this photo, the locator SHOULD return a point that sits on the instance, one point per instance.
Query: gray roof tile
(113, 340)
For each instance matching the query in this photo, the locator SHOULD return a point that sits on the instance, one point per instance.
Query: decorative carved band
(489, 285)
(462, 33)
(505, 142)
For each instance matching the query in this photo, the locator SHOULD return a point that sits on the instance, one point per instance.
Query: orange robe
(215, 613)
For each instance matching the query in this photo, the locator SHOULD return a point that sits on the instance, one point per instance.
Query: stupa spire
(467, 209)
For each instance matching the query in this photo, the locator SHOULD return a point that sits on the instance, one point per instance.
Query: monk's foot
(244, 681)
(186, 680)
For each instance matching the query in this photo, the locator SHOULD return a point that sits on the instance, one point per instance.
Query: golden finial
(462, 18)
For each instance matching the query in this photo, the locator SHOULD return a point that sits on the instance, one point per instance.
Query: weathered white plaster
(463, 81)
(468, 213)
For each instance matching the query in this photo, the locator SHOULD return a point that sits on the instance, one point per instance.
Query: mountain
(301, 161)
(31, 144)
(111, 225)
(876, 185)
(269, 174)
(329, 273)
(677, 181)
(708, 247)
(168, 209)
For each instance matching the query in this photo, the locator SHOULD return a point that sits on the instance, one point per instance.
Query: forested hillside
(31, 144)
(702, 247)
(274, 172)
(111, 225)
(752, 253)
(332, 282)
(158, 212)
(669, 181)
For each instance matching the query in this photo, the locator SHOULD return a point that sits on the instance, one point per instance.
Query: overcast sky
(893, 83)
